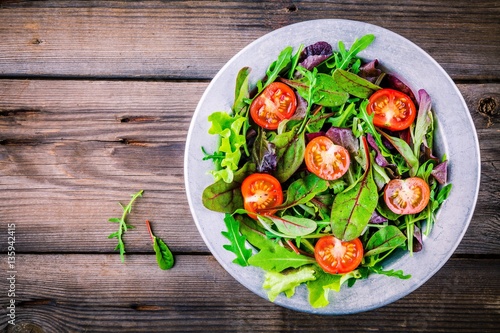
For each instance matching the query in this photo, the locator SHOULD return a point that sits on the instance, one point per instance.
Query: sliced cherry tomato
(260, 192)
(393, 109)
(336, 256)
(326, 159)
(276, 103)
(408, 196)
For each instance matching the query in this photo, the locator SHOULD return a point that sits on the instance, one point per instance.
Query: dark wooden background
(95, 102)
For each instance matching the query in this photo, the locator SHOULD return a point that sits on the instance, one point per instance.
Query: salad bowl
(455, 137)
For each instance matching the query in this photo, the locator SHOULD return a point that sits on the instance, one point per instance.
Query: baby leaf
(237, 240)
(404, 149)
(241, 90)
(293, 226)
(385, 239)
(324, 283)
(290, 149)
(278, 282)
(352, 209)
(354, 84)
(226, 197)
(303, 190)
(278, 259)
(164, 256)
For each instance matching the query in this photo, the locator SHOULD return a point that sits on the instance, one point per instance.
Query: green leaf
(237, 240)
(385, 239)
(115, 220)
(357, 46)
(241, 93)
(423, 122)
(327, 92)
(290, 150)
(320, 288)
(303, 190)
(278, 259)
(392, 273)
(278, 282)
(293, 226)
(254, 233)
(353, 208)
(164, 256)
(284, 59)
(229, 128)
(354, 84)
(226, 197)
(404, 149)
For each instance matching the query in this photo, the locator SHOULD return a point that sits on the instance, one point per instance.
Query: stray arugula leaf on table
(124, 226)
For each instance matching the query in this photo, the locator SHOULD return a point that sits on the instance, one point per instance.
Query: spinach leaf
(241, 93)
(290, 149)
(293, 226)
(237, 240)
(164, 256)
(385, 239)
(254, 233)
(303, 190)
(353, 208)
(354, 84)
(278, 259)
(226, 197)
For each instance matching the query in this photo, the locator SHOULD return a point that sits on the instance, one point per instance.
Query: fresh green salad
(326, 167)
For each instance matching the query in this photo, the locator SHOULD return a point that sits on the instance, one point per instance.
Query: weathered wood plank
(96, 293)
(188, 39)
(67, 157)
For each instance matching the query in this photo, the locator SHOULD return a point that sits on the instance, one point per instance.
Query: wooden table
(95, 103)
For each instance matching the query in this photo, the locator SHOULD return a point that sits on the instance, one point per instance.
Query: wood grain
(194, 39)
(53, 294)
(70, 150)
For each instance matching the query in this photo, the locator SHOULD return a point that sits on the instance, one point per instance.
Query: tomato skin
(407, 196)
(326, 159)
(261, 191)
(336, 257)
(276, 103)
(393, 109)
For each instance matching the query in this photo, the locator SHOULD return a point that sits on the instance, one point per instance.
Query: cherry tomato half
(408, 196)
(260, 192)
(393, 109)
(336, 256)
(276, 103)
(326, 159)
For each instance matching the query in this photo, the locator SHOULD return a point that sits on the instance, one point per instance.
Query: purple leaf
(369, 71)
(391, 81)
(440, 172)
(343, 137)
(417, 234)
(379, 158)
(310, 136)
(377, 218)
(315, 54)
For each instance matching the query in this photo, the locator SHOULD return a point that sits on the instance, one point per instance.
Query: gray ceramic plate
(456, 137)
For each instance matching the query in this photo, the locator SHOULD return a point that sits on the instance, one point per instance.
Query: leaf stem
(150, 232)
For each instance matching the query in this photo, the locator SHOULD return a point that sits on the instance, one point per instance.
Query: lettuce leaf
(278, 282)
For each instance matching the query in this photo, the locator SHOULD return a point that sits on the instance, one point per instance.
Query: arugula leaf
(278, 259)
(164, 256)
(237, 240)
(278, 282)
(357, 46)
(124, 226)
(284, 59)
(404, 149)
